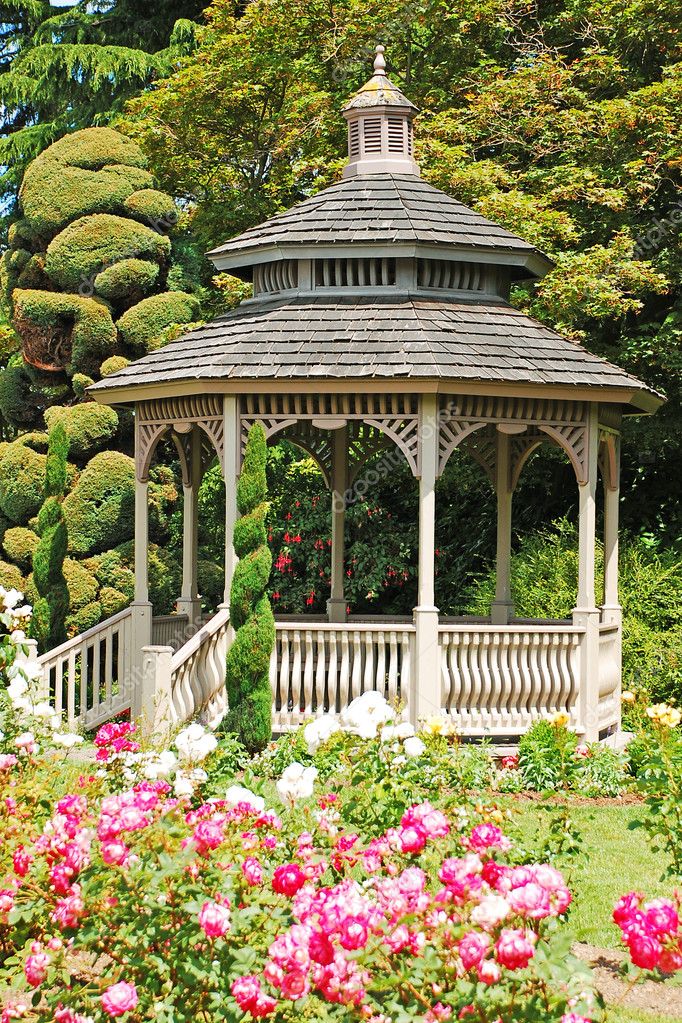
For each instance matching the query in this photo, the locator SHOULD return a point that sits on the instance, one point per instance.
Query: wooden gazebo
(379, 322)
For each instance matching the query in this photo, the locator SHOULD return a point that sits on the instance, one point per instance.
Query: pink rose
(35, 968)
(489, 972)
(288, 879)
(490, 912)
(354, 934)
(412, 839)
(252, 871)
(582, 751)
(661, 917)
(214, 919)
(530, 900)
(514, 949)
(294, 986)
(7, 761)
(114, 853)
(472, 949)
(119, 998)
(487, 836)
(645, 951)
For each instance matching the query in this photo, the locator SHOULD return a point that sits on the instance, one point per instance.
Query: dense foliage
(49, 618)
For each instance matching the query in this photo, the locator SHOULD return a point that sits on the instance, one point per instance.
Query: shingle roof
(378, 209)
(361, 338)
(379, 91)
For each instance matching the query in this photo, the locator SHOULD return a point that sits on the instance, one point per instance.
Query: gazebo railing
(499, 679)
(322, 668)
(609, 675)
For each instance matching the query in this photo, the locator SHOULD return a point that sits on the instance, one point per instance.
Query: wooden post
(611, 610)
(231, 446)
(426, 698)
(586, 614)
(336, 605)
(189, 602)
(156, 690)
(141, 608)
(502, 609)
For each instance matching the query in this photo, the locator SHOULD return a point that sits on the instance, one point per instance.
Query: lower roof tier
(401, 337)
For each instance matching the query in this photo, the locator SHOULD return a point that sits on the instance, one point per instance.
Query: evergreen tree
(50, 610)
(248, 659)
(68, 68)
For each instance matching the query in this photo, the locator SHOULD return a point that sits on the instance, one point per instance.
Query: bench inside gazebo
(380, 322)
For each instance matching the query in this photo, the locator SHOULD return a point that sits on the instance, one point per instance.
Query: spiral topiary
(52, 606)
(247, 676)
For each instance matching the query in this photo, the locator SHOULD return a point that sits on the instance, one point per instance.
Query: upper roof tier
(402, 213)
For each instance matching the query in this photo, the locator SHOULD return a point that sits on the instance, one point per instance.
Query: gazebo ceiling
(380, 277)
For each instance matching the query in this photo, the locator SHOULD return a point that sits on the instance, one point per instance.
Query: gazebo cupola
(380, 327)
(380, 128)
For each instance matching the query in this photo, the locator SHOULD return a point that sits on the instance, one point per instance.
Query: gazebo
(379, 323)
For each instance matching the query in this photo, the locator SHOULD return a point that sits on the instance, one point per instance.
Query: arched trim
(608, 459)
(452, 434)
(573, 441)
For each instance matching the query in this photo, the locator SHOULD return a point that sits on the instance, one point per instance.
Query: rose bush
(144, 905)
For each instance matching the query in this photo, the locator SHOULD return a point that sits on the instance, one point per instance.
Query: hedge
(100, 509)
(127, 281)
(19, 544)
(89, 334)
(22, 472)
(142, 325)
(89, 426)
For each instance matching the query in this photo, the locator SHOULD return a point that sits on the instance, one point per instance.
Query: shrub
(127, 281)
(211, 583)
(61, 331)
(140, 326)
(17, 406)
(82, 584)
(248, 659)
(153, 207)
(91, 244)
(657, 755)
(115, 568)
(19, 545)
(99, 511)
(89, 171)
(113, 572)
(89, 426)
(52, 606)
(80, 383)
(112, 601)
(113, 364)
(22, 475)
(11, 577)
(84, 618)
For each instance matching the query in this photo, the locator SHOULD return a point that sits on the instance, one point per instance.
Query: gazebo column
(586, 614)
(189, 602)
(612, 613)
(141, 608)
(231, 442)
(425, 699)
(336, 605)
(502, 608)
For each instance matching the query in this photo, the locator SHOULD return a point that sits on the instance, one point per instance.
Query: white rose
(10, 598)
(17, 687)
(297, 782)
(366, 713)
(317, 732)
(238, 794)
(183, 786)
(160, 765)
(67, 739)
(413, 746)
(195, 743)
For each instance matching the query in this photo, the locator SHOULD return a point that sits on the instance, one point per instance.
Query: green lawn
(615, 860)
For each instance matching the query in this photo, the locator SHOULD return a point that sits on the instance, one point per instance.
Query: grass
(614, 860)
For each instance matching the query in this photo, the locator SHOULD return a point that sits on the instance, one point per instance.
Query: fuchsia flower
(288, 879)
(214, 919)
(36, 965)
(120, 998)
(651, 930)
(515, 948)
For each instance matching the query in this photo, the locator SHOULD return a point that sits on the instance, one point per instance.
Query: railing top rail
(83, 637)
(607, 627)
(170, 618)
(515, 629)
(213, 625)
(385, 626)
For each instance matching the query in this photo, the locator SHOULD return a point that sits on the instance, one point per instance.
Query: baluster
(108, 663)
(71, 689)
(446, 681)
(356, 678)
(494, 677)
(507, 686)
(295, 698)
(321, 701)
(474, 653)
(83, 688)
(538, 692)
(274, 686)
(380, 677)
(59, 686)
(284, 679)
(369, 680)
(333, 684)
(95, 674)
(308, 674)
(406, 668)
(393, 675)
(344, 672)
(525, 682)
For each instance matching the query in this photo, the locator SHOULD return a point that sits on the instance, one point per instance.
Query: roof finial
(379, 62)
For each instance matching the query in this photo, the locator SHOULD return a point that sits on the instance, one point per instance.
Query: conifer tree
(52, 606)
(248, 659)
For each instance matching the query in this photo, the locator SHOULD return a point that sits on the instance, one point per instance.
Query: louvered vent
(354, 273)
(275, 276)
(396, 134)
(410, 137)
(442, 273)
(372, 134)
(354, 139)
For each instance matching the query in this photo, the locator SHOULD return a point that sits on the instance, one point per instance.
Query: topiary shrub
(91, 244)
(90, 171)
(153, 207)
(128, 281)
(80, 383)
(162, 500)
(113, 364)
(100, 509)
(63, 331)
(114, 572)
(164, 568)
(112, 601)
(142, 325)
(22, 475)
(89, 426)
(81, 582)
(16, 405)
(248, 660)
(85, 618)
(50, 610)
(211, 583)
(19, 545)
(11, 577)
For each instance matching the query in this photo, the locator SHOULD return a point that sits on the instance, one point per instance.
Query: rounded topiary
(127, 281)
(154, 207)
(16, 405)
(112, 601)
(22, 475)
(60, 331)
(83, 619)
(90, 171)
(247, 675)
(51, 608)
(141, 326)
(11, 577)
(164, 573)
(88, 426)
(91, 244)
(99, 511)
(19, 545)
(80, 383)
(113, 365)
(81, 583)
(211, 579)
(114, 572)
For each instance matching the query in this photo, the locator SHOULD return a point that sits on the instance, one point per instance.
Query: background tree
(247, 675)
(51, 608)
